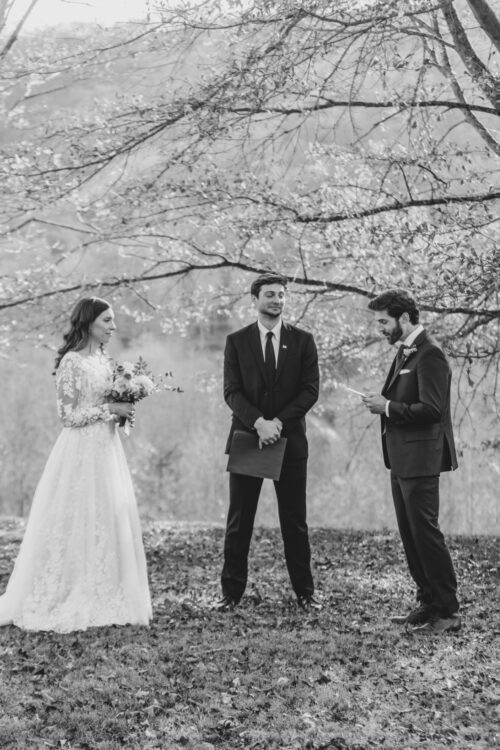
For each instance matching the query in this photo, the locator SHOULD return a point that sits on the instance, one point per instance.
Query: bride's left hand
(122, 409)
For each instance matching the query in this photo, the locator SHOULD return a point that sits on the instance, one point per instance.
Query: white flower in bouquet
(133, 382)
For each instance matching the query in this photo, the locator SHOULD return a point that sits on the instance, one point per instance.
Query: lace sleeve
(72, 412)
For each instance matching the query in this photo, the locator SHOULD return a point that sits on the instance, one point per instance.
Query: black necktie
(400, 356)
(270, 358)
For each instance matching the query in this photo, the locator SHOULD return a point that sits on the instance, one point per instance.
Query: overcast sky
(55, 12)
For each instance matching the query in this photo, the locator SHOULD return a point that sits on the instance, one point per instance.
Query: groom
(417, 442)
(271, 380)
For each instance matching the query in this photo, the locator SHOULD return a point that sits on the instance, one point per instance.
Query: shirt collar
(408, 341)
(276, 330)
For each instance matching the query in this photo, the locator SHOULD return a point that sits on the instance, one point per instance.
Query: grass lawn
(266, 675)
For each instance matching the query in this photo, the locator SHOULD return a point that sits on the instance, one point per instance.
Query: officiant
(271, 380)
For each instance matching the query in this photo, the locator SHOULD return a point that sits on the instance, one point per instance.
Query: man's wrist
(258, 422)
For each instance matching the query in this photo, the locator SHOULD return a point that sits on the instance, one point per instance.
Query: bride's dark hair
(82, 317)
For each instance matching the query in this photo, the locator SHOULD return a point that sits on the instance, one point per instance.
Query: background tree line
(163, 163)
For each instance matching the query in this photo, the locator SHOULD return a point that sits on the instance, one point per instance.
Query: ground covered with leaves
(266, 675)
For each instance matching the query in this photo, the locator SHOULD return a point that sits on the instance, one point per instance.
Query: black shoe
(226, 604)
(417, 616)
(308, 603)
(439, 624)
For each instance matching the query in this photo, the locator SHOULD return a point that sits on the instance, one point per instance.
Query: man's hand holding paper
(375, 403)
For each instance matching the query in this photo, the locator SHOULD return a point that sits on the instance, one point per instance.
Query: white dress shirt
(276, 331)
(412, 336)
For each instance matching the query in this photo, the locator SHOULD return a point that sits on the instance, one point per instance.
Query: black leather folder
(245, 456)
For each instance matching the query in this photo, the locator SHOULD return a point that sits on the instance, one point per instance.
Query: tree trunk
(488, 21)
(488, 84)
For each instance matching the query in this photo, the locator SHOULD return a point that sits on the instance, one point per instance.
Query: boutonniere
(283, 346)
(407, 351)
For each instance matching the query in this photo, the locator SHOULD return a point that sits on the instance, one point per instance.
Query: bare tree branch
(318, 286)
(15, 34)
(479, 72)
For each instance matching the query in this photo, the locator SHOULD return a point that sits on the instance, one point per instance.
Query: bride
(81, 562)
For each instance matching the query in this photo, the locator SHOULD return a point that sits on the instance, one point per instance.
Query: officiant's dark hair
(264, 279)
(396, 302)
(83, 315)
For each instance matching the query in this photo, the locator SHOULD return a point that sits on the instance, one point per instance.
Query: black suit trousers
(244, 494)
(416, 501)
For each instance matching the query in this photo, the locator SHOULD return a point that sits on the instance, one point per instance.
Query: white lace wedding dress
(81, 562)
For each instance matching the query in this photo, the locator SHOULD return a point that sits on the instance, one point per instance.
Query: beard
(396, 333)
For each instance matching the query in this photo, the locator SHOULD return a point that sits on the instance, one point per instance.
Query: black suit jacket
(295, 388)
(417, 438)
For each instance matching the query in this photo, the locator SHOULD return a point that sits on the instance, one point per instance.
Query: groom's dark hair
(396, 302)
(264, 279)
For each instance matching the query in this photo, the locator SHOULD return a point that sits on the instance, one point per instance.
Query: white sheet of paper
(358, 393)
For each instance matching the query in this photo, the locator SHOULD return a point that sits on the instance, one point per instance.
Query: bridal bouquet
(133, 382)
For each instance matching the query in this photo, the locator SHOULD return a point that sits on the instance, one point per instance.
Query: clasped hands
(268, 430)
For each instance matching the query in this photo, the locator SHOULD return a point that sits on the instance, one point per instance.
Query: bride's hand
(122, 410)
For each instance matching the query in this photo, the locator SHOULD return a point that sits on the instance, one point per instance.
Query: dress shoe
(417, 616)
(308, 603)
(438, 624)
(226, 604)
